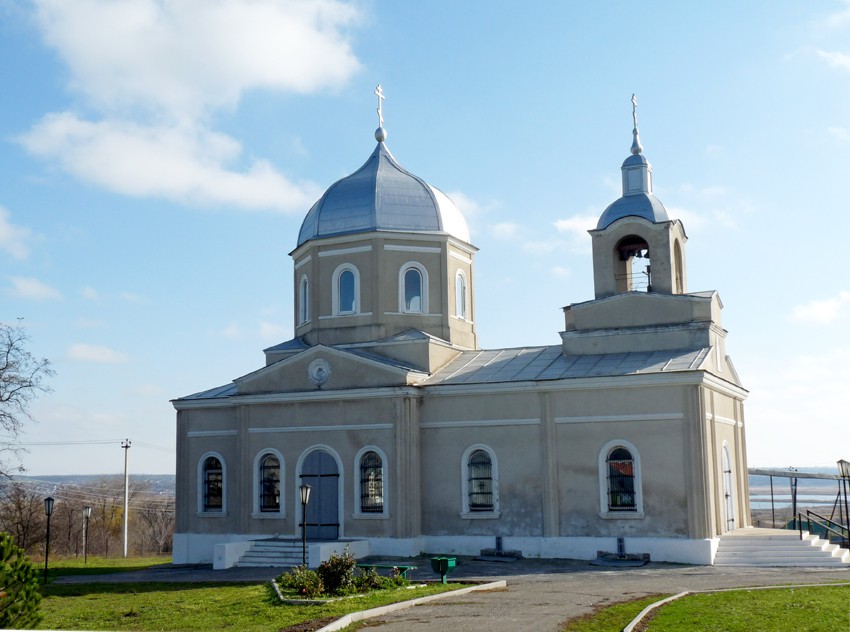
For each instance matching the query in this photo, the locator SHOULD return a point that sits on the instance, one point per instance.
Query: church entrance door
(321, 473)
(729, 498)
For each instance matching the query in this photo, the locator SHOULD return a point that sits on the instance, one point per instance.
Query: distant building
(414, 439)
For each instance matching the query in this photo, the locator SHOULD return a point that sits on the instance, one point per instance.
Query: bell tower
(636, 246)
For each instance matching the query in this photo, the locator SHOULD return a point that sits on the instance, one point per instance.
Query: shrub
(20, 600)
(397, 578)
(337, 573)
(302, 581)
(368, 579)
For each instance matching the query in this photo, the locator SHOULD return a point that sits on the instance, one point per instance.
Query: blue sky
(157, 158)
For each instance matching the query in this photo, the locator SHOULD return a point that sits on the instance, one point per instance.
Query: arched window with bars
(269, 476)
(213, 485)
(371, 483)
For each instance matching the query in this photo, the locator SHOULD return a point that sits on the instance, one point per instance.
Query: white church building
(415, 439)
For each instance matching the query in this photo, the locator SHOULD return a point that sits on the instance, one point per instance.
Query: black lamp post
(86, 516)
(48, 510)
(305, 498)
(844, 473)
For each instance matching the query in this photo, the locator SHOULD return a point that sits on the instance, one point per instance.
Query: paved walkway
(540, 596)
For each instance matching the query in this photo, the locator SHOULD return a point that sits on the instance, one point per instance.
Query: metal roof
(382, 195)
(529, 364)
(549, 363)
(644, 205)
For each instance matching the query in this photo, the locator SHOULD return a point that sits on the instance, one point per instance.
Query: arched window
(269, 476)
(303, 300)
(480, 481)
(679, 268)
(213, 485)
(346, 290)
(413, 288)
(460, 296)
(371, 483)
(621, 480)
(620, 493)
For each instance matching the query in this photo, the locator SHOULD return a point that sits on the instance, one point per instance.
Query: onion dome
(382, 196)
(637, 199)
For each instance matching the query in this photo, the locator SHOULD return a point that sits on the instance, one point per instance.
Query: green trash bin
(443, 566)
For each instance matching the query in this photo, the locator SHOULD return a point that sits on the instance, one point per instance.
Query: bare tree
(22, 515)
(22, 378)
(156, 522)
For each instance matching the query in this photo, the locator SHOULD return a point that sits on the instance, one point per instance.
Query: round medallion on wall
(319, 372)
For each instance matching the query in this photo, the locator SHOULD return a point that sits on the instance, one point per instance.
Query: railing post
(800, 524)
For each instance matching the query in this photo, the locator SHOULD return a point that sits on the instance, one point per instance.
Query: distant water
(811, 492)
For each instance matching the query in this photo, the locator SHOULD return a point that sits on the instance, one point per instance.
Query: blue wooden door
(321, 473)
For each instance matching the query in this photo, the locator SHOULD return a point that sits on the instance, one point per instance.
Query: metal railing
(825, 523)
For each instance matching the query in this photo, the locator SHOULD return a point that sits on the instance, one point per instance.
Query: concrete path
(540, 596)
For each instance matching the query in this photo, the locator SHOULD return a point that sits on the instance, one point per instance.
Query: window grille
(212, 484)
(270, 483)
(480, 479)
(621, 481)
(371, 483)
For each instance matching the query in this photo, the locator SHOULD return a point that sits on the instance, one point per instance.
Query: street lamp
(844, 473)
(48, 510)
(305, 498)
(86, 516)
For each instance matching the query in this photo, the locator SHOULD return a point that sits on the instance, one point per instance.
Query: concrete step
(765, 547)
(266, 553)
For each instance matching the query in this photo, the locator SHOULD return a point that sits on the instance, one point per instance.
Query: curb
(631, 626)
(352, 617)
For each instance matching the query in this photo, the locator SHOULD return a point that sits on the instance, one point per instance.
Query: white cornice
(607, 418)
(325, 428)
(401, 248)
(300, 396)
(303, 262)
(479, 423)
(344, 251)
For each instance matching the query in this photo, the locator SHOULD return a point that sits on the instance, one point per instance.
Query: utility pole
(125, 445)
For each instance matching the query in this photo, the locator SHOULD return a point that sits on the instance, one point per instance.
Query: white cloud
(834, 59)
(468, 206)
(505, 230)
(232, 331)
(90, 293)
(840, 18)
(30, 288)
(804, 391)
(186, 57)
(273, 331)
(578, 225)
(13, 238)
(188, 165)
(146, 390)
(824, 311)
(132, 298)
(95, 353)
(713, 150)
(562, 272)
(155, 71)
(841, 133)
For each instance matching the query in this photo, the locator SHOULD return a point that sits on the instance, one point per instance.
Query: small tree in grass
(19, 597)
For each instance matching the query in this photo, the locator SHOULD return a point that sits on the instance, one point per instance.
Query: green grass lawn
(98, 565)
(809, 609)
(186, 606)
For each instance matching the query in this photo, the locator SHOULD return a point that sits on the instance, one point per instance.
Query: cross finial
(636, 146)
(380, 133)
(634, 109)
(380, 92)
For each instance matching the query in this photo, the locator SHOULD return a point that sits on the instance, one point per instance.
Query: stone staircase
(778, 547)
(277, 553)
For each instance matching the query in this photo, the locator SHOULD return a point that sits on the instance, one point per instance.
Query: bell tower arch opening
(632, 269)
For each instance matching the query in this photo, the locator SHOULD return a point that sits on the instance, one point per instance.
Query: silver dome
(382, 196)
